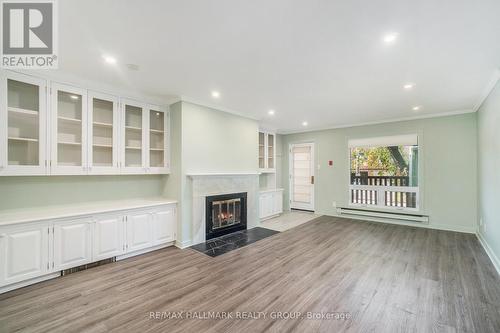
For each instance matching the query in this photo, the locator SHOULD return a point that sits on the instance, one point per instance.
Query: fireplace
(225, 214)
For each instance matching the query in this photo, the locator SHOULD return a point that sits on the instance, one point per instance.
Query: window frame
(380, 206)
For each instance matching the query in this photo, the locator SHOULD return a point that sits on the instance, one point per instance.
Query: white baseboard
(270, 217)
(183, 244)
(494, 259)
(29, 282)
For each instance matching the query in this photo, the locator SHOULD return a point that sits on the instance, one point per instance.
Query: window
(384, 172)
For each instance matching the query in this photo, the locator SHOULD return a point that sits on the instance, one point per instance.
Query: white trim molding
(489, 251)
(387, 121)
(183, 244)
(495, 77)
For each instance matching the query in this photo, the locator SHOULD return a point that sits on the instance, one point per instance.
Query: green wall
(489, 172)
(209, 141)
(448, 166)
(21, 192)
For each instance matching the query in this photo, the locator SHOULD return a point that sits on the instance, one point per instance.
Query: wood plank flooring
(387, 278)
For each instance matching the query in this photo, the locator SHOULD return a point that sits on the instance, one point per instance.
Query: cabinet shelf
(22, 139)
(156, 149)
(133, 128)
(70, 120)
(67, 143)
(23, 111)
(156, 131)
(95, 123)
(102, 146)
(133, 148)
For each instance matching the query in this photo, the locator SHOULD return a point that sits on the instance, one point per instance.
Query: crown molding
(394, 120)
(495, 77)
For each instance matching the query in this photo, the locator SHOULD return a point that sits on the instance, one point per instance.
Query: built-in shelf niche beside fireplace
(226, 214)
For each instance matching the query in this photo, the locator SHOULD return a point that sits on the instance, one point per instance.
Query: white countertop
(222, 174)
(266, 190)
(23, 215)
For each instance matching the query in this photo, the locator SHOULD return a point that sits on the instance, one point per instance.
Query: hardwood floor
(387, 278)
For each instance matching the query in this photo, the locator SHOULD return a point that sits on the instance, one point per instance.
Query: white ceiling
(317, 60)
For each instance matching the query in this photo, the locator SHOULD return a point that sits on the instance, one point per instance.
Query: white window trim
(404, 139)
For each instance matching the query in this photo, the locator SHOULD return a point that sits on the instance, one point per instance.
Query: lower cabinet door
(109, 237)
(164, 226)
(278, 202)
(139, 231)
(72, 244)
(264, 206)
(24, 253)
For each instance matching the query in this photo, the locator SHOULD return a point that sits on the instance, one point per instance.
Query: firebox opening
(225, 214)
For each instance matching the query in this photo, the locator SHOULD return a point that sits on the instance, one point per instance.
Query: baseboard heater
(382, 215)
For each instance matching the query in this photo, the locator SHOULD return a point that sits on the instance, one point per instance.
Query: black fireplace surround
(225, 214)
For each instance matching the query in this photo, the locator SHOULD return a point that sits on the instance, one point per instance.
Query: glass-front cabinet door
(270, 151)
(158, 142)
(134, 138)
(69, 130)
(267, 152)
(23, 123)
(103, 119)
(262, 150)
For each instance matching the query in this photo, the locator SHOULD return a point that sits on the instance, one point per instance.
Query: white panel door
(23, 125)
(69, 130)
(139, 231)
(109, 237)
(72, 244)
(164, 226)
(302, 176)
(103, 131)
(24, 253)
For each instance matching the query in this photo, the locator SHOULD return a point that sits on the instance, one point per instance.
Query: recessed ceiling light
(409, 86)
(109, 59)
(270, 112)
(73, 97)
(304, 123)
(215, 94)
(390, 38)
(416, 108)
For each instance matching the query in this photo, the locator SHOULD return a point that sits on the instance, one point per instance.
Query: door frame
(310, 207)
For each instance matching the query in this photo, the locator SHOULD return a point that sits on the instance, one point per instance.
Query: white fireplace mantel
(208, 184)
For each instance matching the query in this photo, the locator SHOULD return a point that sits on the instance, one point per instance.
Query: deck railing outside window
(385, 175)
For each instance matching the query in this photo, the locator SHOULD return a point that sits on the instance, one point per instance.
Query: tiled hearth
(217, 246)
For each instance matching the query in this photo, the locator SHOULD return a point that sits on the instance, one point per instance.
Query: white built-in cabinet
(23, 125)
(270, 203)
(109, 237)
(139, 231)
(267, 152)
(103, 133)
(37, 248)
(72, 243)
(50, 128)
(24, 252)
(68, 129)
